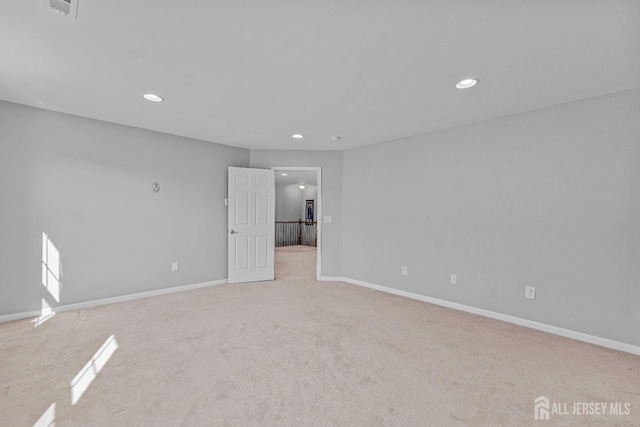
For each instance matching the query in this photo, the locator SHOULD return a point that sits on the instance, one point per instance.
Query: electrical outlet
(454, 279)
(174, 267)
(530, 292)
(405, 272)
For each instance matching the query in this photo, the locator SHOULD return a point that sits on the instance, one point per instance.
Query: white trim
(18, 316)
(331, 279)
(112, 300)
(318, 209)
(591, 339)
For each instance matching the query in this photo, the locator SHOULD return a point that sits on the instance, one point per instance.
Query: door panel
(251, 224)
(242, 252)
(261, 252)
(242, 208)
(262, 208)
(262, 181)
(242, 180)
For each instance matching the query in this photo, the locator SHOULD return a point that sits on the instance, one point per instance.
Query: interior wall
(331, 164)
(289, 201)
(549, 198)
(87, 185)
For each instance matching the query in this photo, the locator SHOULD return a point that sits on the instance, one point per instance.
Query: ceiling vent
(63, 7)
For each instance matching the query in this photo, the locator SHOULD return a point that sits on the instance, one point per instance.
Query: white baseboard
(18, 316)
(331, 279)
(105, 301)
(591, 339)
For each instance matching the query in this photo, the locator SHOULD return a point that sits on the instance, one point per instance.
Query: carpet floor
(296, 352)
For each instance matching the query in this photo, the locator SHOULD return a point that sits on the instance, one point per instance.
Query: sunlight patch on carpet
(85, 377)
(48, 418)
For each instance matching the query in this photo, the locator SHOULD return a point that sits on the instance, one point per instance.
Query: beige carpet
(296, 352)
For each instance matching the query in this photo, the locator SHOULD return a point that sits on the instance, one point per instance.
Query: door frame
(318, 209)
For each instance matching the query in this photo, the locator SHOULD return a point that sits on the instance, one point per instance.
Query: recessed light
(301, 186)
(297, 136)
(467, 83)
(283, 174)
(336, 138)
(153, 97)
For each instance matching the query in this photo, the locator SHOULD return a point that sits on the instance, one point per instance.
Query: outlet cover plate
(530, 292)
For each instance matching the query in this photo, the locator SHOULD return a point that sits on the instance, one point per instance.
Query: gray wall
(290, 201)
(549, 198)
(331, 164)
(87, 184)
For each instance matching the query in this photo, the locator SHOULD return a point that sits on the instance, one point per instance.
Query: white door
(251, 224)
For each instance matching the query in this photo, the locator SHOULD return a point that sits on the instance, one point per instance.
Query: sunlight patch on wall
(85, 377)
(51, 267)
(48, 418)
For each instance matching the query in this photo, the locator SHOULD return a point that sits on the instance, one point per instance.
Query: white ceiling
(250, 73)
(296, 177)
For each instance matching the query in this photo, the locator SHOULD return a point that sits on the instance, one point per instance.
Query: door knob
(234, 232)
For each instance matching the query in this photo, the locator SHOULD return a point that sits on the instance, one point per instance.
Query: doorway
(298, 212)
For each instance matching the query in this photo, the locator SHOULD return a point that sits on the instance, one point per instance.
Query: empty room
(293, 213)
